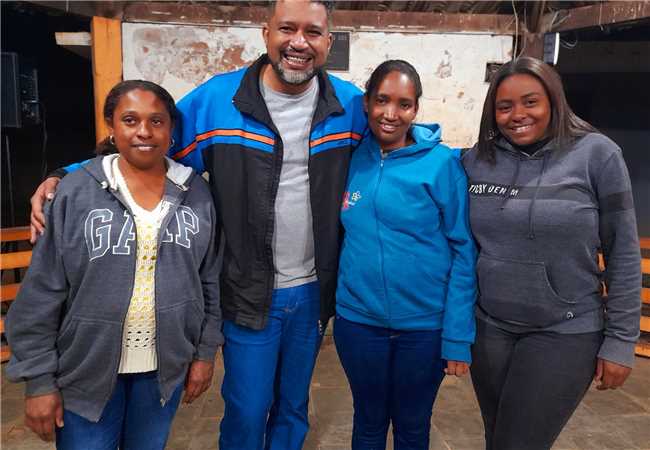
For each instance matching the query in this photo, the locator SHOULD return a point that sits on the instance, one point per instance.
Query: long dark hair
(564, 127)
(393, 65)
(105, 147)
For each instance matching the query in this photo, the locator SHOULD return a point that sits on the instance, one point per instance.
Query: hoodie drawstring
(531, 208)
(512, 183)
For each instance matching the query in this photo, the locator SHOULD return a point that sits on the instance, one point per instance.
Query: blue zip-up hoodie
(408, 257)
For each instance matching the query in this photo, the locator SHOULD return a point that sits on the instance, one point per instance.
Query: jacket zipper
(381, 246)
(163, 227)
(276, 168)
(321, 307)
(126, 310)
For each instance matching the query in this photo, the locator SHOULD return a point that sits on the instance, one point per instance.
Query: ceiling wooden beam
(424, 21)
(78, 42)
(107, 66)
(229, 15)
(108, 9)
(605, 13)
(534, 19)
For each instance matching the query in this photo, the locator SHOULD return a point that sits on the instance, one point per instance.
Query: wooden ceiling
(111, 8)
(443, 16)
(454, 7)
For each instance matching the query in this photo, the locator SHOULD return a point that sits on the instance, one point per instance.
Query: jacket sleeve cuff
(206, 352)
(617, 351)
(57, 173)
(41, 385)
(456, 351)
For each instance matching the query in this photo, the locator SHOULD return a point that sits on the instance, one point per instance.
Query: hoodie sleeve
(211, 336)
(459, 327)
(185, 149)
(620, 247)
(33, 319)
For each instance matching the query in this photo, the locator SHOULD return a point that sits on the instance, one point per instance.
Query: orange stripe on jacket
(187, 150)
(209, 134)
(242, 133)
(335, 137)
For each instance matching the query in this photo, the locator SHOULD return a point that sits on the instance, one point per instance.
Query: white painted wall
(452, 66)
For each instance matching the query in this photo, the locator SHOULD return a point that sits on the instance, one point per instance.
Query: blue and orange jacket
(408, 256)
(226, 130)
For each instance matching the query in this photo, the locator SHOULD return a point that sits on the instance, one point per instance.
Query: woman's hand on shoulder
(42, 413)
(610, 375)
(458, 368)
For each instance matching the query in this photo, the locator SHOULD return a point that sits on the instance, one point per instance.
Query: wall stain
(181, 53)
(444, 68)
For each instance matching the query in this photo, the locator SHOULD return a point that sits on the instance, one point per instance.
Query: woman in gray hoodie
(119, 310)
(547, 194)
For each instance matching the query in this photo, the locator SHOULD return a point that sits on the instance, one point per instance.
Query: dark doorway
(606, 71)
(66, 109)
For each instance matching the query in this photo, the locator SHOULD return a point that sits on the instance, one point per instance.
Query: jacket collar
(425, 136)
(248, 98)
(99, 168)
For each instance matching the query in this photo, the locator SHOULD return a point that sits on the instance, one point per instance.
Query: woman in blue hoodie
(406, 286)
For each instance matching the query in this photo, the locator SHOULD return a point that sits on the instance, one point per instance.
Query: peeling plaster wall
(452, 66)
(182, 57)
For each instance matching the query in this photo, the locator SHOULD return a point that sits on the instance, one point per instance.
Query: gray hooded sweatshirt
(540, 222)
(65, 328)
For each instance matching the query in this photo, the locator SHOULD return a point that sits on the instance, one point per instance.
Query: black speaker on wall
(11, 104)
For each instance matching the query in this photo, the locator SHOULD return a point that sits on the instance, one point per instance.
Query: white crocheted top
(139, 337)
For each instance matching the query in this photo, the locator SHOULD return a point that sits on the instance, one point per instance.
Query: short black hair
(393, 65)
(328, 5)
(120, 90)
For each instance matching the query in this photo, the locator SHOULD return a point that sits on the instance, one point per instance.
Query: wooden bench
(18, 261)
(643, 346)
(21, 259)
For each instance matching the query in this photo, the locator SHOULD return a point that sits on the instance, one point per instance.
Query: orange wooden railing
(18, 260)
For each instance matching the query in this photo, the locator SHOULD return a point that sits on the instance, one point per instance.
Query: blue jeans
(394, 376)
(133, 418)
(267, 374)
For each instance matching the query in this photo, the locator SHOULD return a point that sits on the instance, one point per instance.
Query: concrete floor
(617, 420)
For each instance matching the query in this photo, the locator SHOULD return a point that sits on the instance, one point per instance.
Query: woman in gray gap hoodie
(119, 309)
(547, 194)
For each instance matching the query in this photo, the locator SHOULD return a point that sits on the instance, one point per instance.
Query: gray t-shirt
(293, 236)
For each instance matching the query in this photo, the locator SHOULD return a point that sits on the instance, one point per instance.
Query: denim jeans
(394, 377)
(133, 418)
(529, 384)
(268, 372)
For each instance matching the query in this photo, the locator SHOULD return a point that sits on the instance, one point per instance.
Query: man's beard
(292, 76)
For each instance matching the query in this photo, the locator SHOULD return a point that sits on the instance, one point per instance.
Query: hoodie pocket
(520, 292)
(179, 334)
(88, 353)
